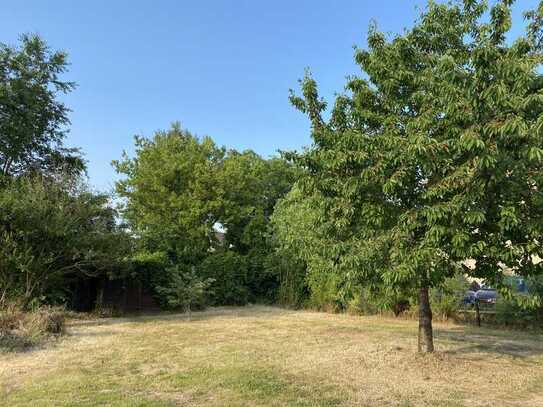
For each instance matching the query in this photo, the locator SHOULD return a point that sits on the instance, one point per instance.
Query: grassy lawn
(259, 355)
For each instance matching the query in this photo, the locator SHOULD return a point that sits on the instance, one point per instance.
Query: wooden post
(140, 296)
(100, 295)
(477, 313)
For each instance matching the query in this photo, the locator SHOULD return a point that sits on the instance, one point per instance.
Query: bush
(229, 271)
(51, 233)
(262, 280)
(10, 316)
(369, 301)
(50, 320)
(447, 300)
(518, 311)
(20, 330)
(292, 290)
(325, 292)
(185, 290)
(363, 304)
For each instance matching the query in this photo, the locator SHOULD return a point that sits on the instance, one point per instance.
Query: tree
(180, 188)
(185, 289)
(301, 249)
(248, 189)
(32, 119)
(434, 155)
(170, 193)
(52, 232)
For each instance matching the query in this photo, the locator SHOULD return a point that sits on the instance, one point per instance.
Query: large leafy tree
(434, 154)
(170, 193)
(179, 189)
(32, 118)
(52, 232)
(249, 187)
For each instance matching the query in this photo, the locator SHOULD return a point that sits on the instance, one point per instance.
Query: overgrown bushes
(180, 189)
(184, 289)
(230, 274)
(20, 330)
(53, 230)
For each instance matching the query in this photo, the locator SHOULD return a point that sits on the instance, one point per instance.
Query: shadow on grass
(473, 342)
(466, 340)
(19, 343)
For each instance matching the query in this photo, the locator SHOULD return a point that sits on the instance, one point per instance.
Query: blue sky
(221, 68)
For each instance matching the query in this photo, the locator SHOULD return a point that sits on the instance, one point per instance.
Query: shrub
(326, 292)
(363, 304)
(20, 330)
(229, 272)
(290, 272)
(518, 310)
(185, 290)
(368, 301)
(447, 300)
(51, 233)
(262, 280)
(50, 320)
(10, 316)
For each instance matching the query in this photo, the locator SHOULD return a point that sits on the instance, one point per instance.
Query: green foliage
(249, 187)
(447, 299)
(170, 192)
(229, 272)
(53, 230)
(150, 269)
(185, 289)
(290, 272)
(514, 311)
(431, 157)
(179, 189)
(32, 119)
(50, 233)
(522, 309)
(366, 301)
(298, 242)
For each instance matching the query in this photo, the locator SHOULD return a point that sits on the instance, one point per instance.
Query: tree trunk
(426, 339)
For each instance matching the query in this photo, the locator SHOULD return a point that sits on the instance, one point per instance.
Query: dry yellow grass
(255, 356)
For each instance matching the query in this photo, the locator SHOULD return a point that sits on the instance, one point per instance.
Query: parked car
(486, 296)
(469, 298)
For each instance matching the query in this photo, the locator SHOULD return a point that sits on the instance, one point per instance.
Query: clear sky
(221, 68)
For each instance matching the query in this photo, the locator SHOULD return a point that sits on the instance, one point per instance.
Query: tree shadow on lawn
(466, 340)
(477, 343)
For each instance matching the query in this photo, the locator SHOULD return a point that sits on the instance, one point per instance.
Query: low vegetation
(21, 330)
(270, 356)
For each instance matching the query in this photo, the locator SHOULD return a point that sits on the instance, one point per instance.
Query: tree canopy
(434, 154)
(52, 233)
(32, 119)
(205, 206)
(53, 228)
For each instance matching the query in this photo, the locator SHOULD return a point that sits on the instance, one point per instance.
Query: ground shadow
(466, 340)
(483, 341)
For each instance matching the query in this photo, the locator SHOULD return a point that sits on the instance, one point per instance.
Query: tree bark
(426, 339)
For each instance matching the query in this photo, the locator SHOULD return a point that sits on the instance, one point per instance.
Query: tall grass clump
(21, 330)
